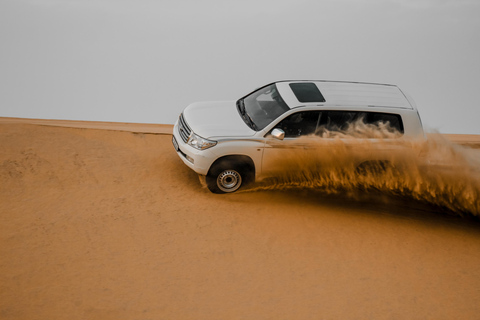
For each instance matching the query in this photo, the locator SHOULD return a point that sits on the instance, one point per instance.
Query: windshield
(263, 106)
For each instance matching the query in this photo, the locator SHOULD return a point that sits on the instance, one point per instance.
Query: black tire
(227, 177)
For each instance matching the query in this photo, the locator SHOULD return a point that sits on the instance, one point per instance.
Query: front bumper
(198, 160)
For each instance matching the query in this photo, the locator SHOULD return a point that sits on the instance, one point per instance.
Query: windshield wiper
(253, 125)
(241, 106)
(245, 115)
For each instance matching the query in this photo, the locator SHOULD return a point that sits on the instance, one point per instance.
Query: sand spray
(434, 170)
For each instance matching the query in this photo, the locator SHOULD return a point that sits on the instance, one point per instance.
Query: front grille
(183, 129)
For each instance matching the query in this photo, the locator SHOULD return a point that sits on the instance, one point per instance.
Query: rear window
(394, 121)
(341, 121)
(307, 92)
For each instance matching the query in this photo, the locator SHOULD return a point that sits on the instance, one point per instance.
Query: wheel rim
(229, 181)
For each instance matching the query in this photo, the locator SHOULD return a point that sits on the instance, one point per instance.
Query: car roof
(344, 93)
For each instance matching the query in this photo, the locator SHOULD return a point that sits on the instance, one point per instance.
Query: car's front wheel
(226, 177)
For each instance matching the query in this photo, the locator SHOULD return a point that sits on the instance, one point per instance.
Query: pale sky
(145, 60)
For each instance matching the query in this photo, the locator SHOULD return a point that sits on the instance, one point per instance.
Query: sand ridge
(106, 224)
(152, 128)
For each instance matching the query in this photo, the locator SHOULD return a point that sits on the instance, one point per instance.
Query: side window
(299, 124)
(393, 122)
(336, 120)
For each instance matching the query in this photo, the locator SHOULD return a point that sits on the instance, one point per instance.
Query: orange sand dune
(106, 224)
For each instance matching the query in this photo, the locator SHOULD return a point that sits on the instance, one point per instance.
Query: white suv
(231, 143)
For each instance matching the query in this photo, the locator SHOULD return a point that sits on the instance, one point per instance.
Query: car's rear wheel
(226, 177)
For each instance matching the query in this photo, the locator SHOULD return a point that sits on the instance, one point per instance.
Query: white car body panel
(346, 94)
(216, 119)
(351, 93)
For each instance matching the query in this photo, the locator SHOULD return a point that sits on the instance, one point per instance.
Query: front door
(285, 155)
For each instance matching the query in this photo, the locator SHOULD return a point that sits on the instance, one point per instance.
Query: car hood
(216, 119)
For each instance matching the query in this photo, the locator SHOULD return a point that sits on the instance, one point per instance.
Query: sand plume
(434, 170)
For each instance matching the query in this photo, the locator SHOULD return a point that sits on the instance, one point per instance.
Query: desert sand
(104, 221)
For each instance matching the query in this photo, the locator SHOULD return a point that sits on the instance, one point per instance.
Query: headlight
(200, 143)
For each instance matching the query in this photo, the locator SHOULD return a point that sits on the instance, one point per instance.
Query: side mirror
(278, 134)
